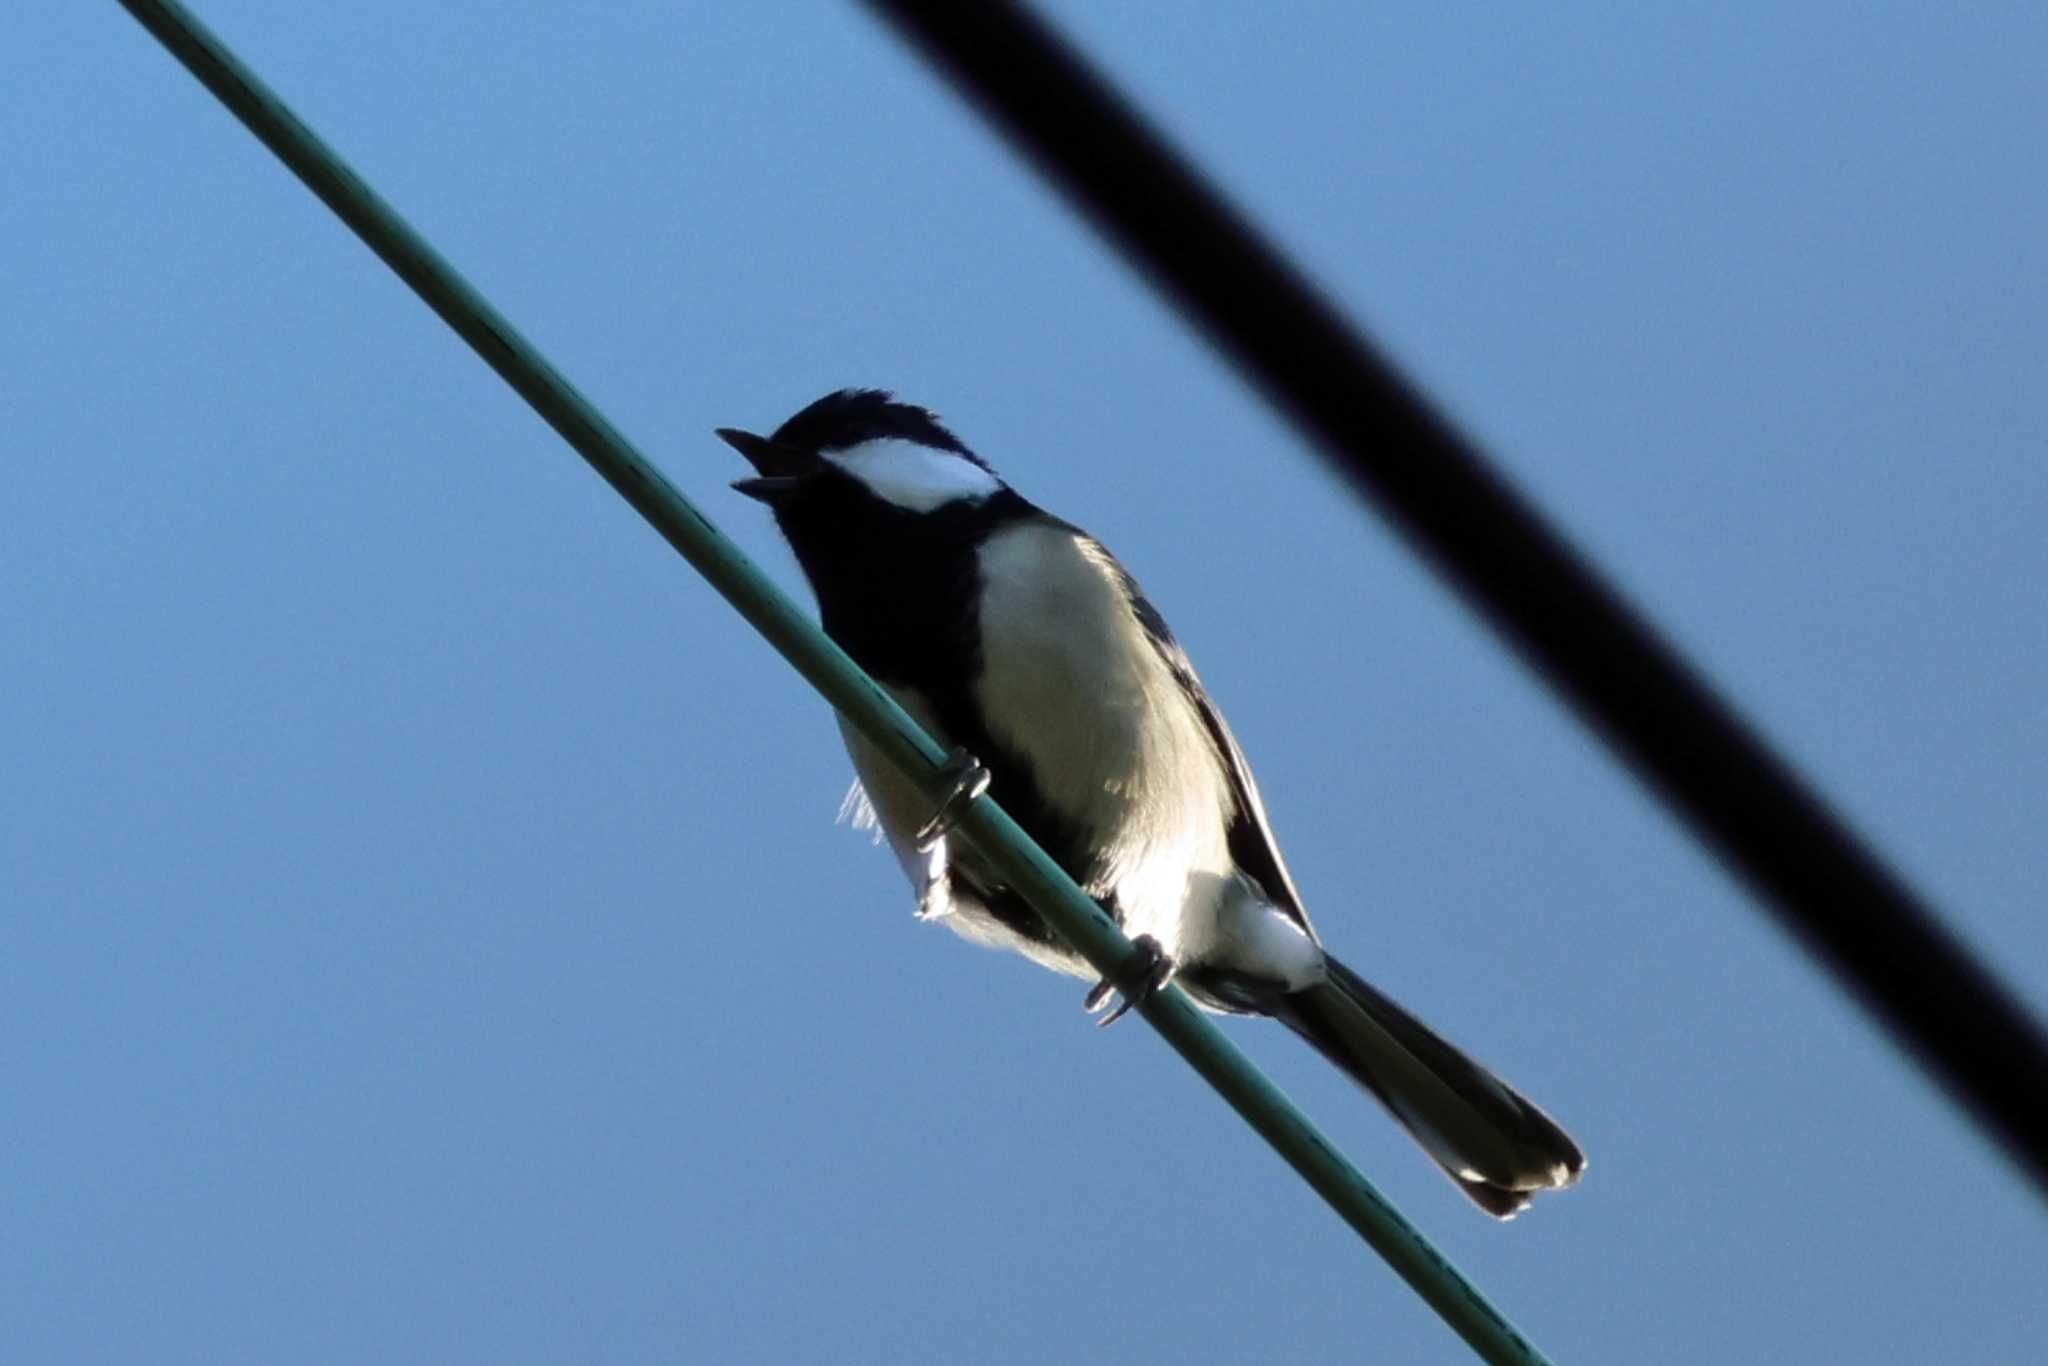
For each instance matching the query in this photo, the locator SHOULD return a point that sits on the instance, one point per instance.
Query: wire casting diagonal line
(1854, 914)
(1454, 1298)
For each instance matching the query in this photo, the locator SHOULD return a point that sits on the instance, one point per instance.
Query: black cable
(1837, 897)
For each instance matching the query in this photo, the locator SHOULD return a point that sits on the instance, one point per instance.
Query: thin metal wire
(991, 832)
(1837, 897)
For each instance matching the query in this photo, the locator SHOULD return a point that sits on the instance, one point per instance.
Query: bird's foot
(965, 779)
(1146, 971)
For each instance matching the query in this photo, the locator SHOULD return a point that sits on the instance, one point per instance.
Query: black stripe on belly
(899, 592)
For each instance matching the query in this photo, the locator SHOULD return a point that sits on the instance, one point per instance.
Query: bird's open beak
(781, 467)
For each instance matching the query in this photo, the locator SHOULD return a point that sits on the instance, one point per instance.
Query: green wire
(992, 833)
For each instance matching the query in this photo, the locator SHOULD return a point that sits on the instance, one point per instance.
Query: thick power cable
(1837, 897)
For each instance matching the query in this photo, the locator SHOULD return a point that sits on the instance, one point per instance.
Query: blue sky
(423, 932)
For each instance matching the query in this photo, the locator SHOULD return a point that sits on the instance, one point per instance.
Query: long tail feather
(1492, 1141)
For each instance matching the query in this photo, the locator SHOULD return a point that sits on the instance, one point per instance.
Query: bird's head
(859, 451)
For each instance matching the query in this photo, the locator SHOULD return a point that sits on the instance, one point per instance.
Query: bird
(1017, 639)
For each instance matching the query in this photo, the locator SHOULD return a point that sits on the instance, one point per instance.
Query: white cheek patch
(913, 476)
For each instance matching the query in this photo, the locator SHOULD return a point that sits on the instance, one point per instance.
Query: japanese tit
(1017, 637)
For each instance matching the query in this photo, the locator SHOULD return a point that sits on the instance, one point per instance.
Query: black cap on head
(852, 416)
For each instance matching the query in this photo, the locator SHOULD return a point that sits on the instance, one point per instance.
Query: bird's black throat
(898, 591)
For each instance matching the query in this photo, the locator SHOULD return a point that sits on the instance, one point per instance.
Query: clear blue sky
(423, 932)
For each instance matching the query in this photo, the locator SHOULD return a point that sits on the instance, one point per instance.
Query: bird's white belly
(1071, 683)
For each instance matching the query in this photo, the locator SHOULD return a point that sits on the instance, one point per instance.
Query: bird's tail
(1498, 1147)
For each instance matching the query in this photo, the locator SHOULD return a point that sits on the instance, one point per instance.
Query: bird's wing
(1252, 845)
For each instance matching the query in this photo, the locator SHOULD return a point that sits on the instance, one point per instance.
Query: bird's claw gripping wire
(966, 779)
(1141, 978)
